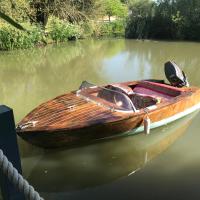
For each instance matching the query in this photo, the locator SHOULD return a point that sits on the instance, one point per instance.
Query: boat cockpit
(128, 97)
(137, 95)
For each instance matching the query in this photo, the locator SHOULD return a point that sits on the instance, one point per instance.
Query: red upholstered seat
(156, 90)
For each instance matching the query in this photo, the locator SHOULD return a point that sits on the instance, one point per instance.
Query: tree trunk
(11, 21)
(41, 13)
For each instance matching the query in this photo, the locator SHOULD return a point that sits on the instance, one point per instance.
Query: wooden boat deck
(59, 114)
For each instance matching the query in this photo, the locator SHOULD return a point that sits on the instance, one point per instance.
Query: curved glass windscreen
(105, 97)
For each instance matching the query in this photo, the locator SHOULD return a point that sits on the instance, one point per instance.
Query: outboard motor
(175, 75)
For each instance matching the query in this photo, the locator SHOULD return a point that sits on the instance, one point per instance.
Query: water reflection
(145, 59)
(97, 164)
(41, 74)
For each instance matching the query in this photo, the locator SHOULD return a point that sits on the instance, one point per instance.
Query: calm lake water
(163, 165)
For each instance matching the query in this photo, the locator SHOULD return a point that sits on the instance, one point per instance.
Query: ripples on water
(119, 168)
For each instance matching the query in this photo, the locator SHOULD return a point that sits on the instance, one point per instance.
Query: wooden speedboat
(93, 113)
(84, 167)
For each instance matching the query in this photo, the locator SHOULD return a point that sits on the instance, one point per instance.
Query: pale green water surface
(163, 165)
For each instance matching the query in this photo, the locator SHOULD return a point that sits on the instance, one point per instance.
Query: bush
(89, 29)
(113, 29)
(60, 31)
(57, 31)
(11, 38)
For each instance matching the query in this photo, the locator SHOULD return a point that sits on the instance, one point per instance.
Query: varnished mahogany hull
(130, 156)
(85, 126)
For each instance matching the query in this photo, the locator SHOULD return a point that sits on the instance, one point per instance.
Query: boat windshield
(105, 97)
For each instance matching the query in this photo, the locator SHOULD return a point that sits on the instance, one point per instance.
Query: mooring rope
(15, 178)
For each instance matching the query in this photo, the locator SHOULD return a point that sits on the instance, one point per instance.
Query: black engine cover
(175, 75)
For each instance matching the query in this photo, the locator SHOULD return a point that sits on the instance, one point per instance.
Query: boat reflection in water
(57, 171)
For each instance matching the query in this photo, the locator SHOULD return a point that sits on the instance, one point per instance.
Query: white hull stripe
(159, 123)
(167, 120)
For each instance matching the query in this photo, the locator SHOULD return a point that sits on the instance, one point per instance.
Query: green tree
(164, 19)
(13, 13)
(140, 17)
(16, 9)
(189, 12)
(115, 8)
(71, 10)
(162, 25)
(11, 21)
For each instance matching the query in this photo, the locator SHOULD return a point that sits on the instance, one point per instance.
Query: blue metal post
(8, 144)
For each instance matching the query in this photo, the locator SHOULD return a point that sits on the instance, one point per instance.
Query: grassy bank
(56, 31)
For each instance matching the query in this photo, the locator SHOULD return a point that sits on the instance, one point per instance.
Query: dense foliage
(115, 28)
(58, 21)
(115, 8)
(26, 23)
(12, 38)
(164, 19)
